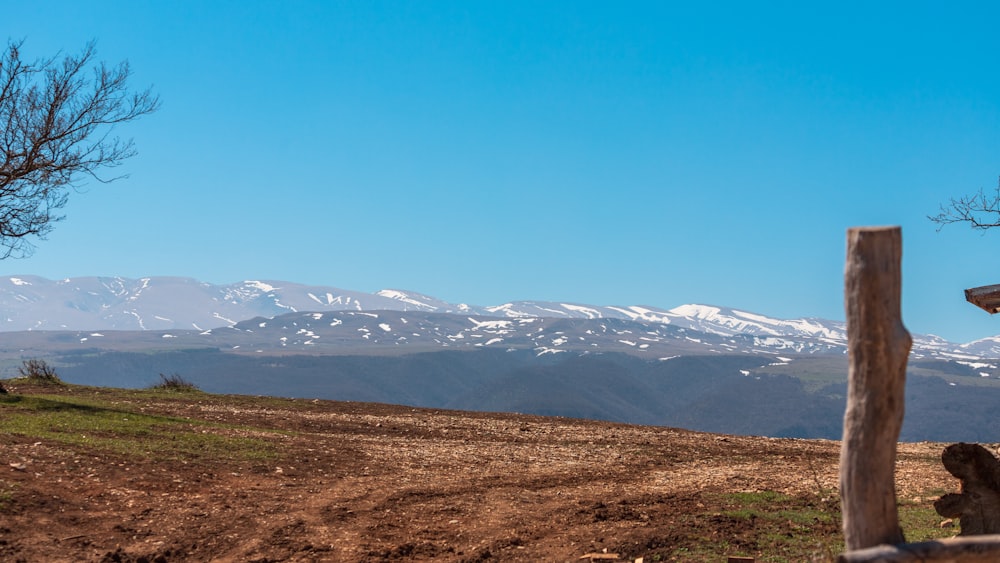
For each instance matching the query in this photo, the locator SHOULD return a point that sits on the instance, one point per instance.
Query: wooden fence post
(878, 347)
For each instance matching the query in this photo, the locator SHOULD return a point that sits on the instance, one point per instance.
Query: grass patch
(920, 522)
(94, 424)
(773, 505)
(778, 528)
(814, 372)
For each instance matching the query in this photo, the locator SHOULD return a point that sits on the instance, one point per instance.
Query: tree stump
(978, 505)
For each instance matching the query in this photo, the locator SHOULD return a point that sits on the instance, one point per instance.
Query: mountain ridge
(167, 303)
(695, 366)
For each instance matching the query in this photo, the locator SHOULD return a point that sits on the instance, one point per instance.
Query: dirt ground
(364, 482)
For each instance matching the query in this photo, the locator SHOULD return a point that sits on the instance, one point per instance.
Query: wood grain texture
(878, 347)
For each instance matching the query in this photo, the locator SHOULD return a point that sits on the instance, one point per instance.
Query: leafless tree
(58, 116)
(980, 210)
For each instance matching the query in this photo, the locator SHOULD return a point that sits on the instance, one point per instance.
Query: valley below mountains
(694, 366)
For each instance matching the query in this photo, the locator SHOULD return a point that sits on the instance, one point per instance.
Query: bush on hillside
(39, 372)
(174, 383)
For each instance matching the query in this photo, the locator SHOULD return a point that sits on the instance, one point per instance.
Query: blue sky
(655, 153)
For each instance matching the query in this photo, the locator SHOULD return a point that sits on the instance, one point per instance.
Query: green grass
(782, 528)
(814, 372)
(921, 522)
(90, 423)
(776, 528)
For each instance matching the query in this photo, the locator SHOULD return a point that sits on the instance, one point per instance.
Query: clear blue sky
(655, 153)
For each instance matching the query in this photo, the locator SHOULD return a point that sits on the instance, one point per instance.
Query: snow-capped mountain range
(306, 316)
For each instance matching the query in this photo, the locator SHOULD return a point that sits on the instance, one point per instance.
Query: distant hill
(733, 394)
(694, 366)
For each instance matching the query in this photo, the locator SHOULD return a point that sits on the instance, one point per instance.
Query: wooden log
(971, 549)
(878, 346)
(978, 505)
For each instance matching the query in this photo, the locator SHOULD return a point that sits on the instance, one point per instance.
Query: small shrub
(175, 383)
(3, 390)
(37, 371)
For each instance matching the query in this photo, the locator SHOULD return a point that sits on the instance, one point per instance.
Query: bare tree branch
(57, 119)
(980, 210)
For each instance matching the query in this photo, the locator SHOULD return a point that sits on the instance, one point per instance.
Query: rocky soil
(366, 482)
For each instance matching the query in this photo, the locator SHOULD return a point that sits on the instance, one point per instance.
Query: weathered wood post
(878, 347)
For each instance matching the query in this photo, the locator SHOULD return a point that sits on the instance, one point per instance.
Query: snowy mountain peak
(719, 320)
(696, 311)
(169, 303)
(415, 299)
(262, 286)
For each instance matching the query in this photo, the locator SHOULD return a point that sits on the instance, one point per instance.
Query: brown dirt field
(365, 482)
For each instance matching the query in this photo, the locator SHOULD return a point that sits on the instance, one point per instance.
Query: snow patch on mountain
(590, 312)
(254, 284)
(174, 304)
(420, 302)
